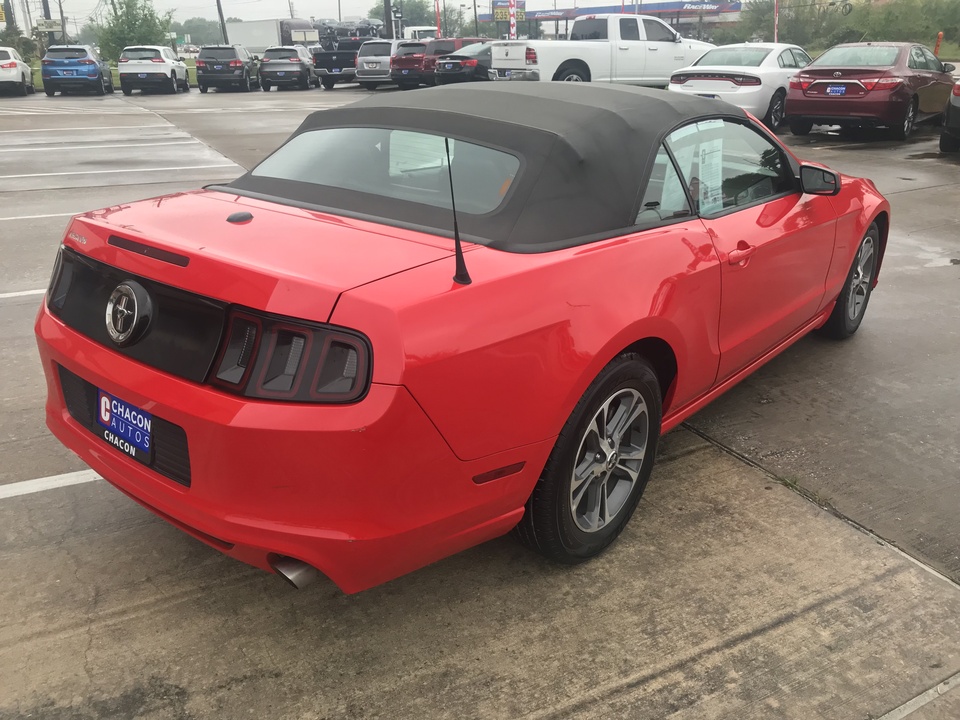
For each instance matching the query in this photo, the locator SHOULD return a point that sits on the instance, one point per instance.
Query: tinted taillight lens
(678, 79)
(274, 358)
(746, 80)
(956, 89)
(200, 63)
(236, 63)
(46, 62)
(882, 83)
(530, 56)
(469, 63)
(86, 62)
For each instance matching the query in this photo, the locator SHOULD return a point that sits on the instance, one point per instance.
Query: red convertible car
(424, 322)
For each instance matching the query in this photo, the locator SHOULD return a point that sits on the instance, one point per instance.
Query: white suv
(14, 72)
(152, 66)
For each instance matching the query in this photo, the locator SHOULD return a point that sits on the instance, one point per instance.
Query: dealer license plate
(218, 67)
(371, 66)
(69, 72)
(281, 74)
(404, 72)
(124, 426)
(448, 66)
(336, 70)
(836, 89)
(143, 75)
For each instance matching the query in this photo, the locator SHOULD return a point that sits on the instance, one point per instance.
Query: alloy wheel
(608, 460)
(776, 111)
(862, 276)
(909, 119)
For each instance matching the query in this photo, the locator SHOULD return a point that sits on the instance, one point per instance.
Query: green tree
(415, 12)
(132, 22)
(89, 34)
(12, 36)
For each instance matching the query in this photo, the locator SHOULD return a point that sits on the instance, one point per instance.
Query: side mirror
(181, 59)
(678, 38)
(818, 181)
(949, 67)
(256, 58)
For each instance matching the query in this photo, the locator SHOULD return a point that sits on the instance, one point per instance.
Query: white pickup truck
(627, 49)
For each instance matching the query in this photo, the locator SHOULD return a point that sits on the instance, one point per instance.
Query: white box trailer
(257, 35)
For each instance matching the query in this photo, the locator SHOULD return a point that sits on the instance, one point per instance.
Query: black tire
(186, 81)
(21, 89)
(774, 117)
(553, 523)
(908, 123)
(245, 83)
(949, 143)
(328, 83)
(174, 87)
(101, 88)
(265, 84)
(573, 74)
(127, 91)
(203, 88)
(49, 91)
(369, 85)
(857, 287)
(801, 127)
(110, 88)
(33, 87)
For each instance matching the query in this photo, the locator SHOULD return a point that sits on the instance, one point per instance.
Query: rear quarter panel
(501, 363)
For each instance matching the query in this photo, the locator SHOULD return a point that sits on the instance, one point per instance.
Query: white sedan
(754, 76)
(14, 72)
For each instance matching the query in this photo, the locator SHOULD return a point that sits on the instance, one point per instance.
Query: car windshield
(374, 48)
(589, 30)
(66, 53)
(440, 47)
(281, 54)
(734, 57)
(411, 49)
(139, 54)
(224, 53)
(858, 56)
(396, 164)
(4, 55)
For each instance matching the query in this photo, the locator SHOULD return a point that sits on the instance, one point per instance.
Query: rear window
(66, 53)
(589, 30)
(440, 47)
(224, 53)
(374, 48)
(859, 56)
(734, 57)
(4, 55)
(281, 53)
(396, 164)
(139, 54)
(411, 49)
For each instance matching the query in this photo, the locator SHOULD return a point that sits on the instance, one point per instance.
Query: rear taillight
(678, 79)
(956, 89)
(263, 60)
(124, 60)
(745, 80)
(46, 62)
(8, 66)
(799, 83)
(86, 62)
(469, 63)
(236, 63)
(200, 63)
(156, 60)
(530, 56)
(291, 59)
(881, 83)
(276, 358)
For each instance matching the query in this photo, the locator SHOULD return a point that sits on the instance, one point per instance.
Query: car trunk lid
(844, 82)
(509, 55)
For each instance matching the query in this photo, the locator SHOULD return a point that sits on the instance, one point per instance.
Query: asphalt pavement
(730, 595)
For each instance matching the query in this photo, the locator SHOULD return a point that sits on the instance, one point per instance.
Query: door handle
(624, 47)
(743, 252)
(652, 49)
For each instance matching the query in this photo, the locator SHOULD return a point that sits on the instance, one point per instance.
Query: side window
(664, 199)
(917, 60)
(629, 30)
(932, 62)
(728, 165)
(801, 57)
(657, 31)
(786, 60)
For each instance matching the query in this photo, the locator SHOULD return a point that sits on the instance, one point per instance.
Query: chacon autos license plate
(836, 89)
(404, 72)
(218, 67)
(448, 66)
(124, 426)
(336, 70)
(281, 74)
(143, 75)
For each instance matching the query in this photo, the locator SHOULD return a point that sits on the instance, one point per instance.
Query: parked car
(868, 85)
(338, 65)
(152, 67)
(75, 67)
(626, 49)
(221, 66)
(950, 132)
(288, 66)
(471, 64)
(373, 62)
(754, 76)
(446, 46)
(406, 65)
(15, 73)
(203, 358)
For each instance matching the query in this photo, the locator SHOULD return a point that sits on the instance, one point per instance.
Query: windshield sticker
(711, 176)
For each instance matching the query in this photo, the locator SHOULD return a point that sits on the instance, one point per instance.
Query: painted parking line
(21, 293)
(90, 129)
(39, 217)
(127, 170)
(28, 487)
(34, 148)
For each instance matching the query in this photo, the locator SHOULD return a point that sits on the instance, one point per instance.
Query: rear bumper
(11, 76)
(215, 79)
(344, 74)
(522, 74)
(151, 79)
(374, 75)
(409, 77)
(71, 80)
(364, 493)
(884, 109)
(755, 100)
(289, 77)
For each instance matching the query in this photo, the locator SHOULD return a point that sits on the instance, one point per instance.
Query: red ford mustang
(412, 329)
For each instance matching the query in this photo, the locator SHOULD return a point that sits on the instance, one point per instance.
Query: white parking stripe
(21, 293)
(48, 483)
(39, 217)
(127, 170)
(34, 148)
(90, 129)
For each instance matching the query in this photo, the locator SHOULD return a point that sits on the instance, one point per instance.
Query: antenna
(462, 277)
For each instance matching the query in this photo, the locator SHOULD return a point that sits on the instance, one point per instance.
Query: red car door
(775, 244)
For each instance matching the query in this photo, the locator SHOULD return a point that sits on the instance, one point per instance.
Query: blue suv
(75, 67)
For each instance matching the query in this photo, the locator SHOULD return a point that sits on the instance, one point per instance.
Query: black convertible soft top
(586, 151)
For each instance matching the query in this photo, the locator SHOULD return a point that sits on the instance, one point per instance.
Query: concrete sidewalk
(729, 596)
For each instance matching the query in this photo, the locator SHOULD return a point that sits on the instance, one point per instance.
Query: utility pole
(476, 22)
(46, 15)
(223, 24)
(63, 24)
(8, 13)
(388, 19)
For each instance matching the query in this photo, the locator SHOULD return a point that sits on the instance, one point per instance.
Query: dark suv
(288, 65)
(227, 66)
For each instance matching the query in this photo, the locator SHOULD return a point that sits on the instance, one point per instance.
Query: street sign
(3, 15)
(45, 25)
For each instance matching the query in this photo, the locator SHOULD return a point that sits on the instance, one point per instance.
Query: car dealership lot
(729, 595)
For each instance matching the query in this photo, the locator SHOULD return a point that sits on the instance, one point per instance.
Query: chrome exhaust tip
(295, 572)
